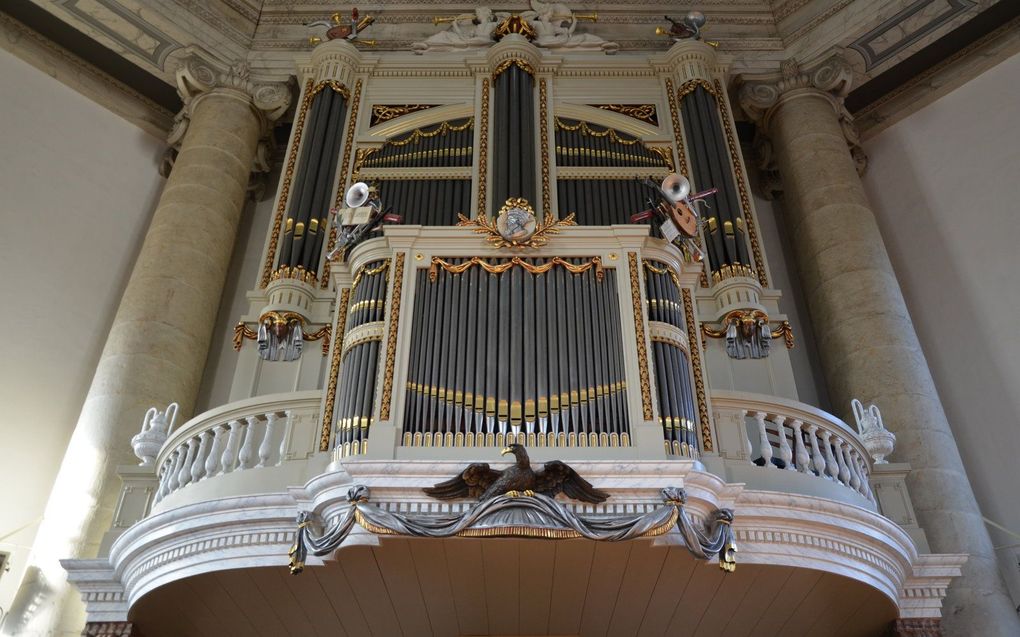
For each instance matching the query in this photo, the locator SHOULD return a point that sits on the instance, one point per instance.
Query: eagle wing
(471, 483)
(559, 476)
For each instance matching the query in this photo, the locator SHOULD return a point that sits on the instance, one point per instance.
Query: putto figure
(466, 31)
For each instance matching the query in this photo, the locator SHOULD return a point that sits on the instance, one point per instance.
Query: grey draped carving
(522, 516)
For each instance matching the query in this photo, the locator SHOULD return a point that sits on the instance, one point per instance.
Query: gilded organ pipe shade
(497, 354)
(355, 393)
(711, 164)
(308, 214)
(513, 160)
(670, 361)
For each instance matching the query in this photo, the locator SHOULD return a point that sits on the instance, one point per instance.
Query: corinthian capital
(196, 76)
(831, 76)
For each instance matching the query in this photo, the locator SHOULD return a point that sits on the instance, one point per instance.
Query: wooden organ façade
(450, 342)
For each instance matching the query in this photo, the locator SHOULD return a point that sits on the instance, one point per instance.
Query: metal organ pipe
(530, 351)
(307, 218)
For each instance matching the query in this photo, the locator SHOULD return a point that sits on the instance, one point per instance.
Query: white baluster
(198, 466)
(184, 476)
(855, 480)
(229, 458)
(164, 476)
(785, 453)
(266, 448)
(862, 469)
(843, 475)
(247, 456)
(831, 468)
(283, 439)
(817, 459)
(764, 448)
(213, 462)
(800, 452)
(173, 482)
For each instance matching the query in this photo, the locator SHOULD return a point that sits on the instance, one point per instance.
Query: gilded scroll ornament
(699, 380)
(515, 225)
(442, 129)
(519, 63)
(543, 119)
(334, 369)
(288, 179)
(335, 85)
(531, 268)
(691, 85)
(639, 334)
(640, 112)
(385, 112)
(391, 339)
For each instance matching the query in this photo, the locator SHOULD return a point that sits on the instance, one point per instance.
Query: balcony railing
(243, 435)
(777, 434)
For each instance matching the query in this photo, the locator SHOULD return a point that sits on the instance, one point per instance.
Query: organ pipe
(513, 173)
(307, 219)
(711, 167)
(672, 367)
(516, 349)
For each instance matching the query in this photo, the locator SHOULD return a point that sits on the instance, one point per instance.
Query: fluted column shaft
(870, 349)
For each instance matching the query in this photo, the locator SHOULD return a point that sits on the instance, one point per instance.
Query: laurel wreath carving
(483, 224)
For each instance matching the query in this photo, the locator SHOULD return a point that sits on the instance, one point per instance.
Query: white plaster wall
(77, 188)
(945, 184)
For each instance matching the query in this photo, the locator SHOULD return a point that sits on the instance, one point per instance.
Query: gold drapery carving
(499, 268)
(519, 63)
(690, 85)
(743, 316)
(333, 84)
(588, 130)
(421, 133)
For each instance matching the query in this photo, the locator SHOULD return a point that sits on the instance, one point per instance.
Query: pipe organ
(585, 336)
(308, 215)
(599, 201)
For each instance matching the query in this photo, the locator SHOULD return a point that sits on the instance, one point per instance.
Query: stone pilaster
(869, 349)
(157, 346)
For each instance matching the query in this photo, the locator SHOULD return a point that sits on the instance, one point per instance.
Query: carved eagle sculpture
(480, 481)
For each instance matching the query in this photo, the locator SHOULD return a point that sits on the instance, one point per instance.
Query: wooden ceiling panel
(467, 587)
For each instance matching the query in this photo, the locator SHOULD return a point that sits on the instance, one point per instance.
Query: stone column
(867, 343)
(157, 346)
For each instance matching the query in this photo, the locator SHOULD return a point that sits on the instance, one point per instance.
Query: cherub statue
(466, 31)
(555, 26)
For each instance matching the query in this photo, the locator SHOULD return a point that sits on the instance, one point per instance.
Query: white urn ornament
(878, 440)
(156, 427)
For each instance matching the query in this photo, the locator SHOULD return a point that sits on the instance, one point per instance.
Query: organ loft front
(513, 360)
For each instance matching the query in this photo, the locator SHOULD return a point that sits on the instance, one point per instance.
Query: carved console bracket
(761, 95)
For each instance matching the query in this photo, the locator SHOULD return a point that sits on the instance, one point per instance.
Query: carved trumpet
(437, 20)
